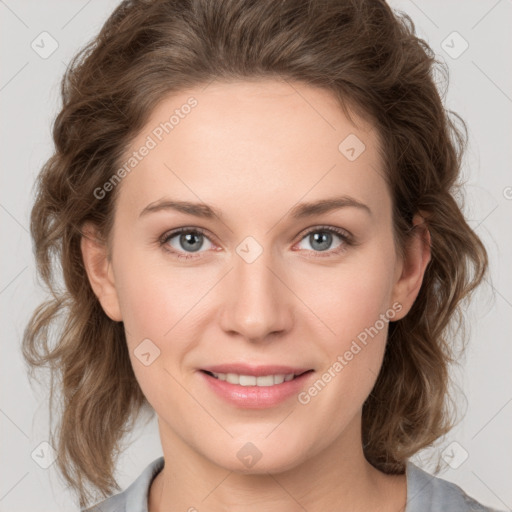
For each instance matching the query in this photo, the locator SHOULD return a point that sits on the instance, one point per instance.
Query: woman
(253, 206)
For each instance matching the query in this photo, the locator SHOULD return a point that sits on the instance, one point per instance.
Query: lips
(238, 388)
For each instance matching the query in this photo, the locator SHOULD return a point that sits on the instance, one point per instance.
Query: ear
(412, 266)
(99, 271)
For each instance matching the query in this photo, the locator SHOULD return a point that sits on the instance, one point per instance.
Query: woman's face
(270, 279)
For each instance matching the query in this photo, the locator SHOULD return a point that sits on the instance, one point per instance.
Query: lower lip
(256, 397)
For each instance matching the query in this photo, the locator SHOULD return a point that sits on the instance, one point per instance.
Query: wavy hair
(369, 57)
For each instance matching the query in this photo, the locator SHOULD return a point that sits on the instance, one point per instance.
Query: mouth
(255, 387)
(271, 379)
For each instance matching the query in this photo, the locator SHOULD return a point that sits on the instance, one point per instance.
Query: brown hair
(368, 57)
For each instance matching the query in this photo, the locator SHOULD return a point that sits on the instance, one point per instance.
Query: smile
(251, 380)
(256, 392)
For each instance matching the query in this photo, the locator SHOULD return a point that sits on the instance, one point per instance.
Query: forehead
(252, 142)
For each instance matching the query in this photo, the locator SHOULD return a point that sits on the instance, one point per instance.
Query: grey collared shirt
(425, 493)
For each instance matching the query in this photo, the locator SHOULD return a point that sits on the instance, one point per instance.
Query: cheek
(155, 312)
(163, 309)
(152, 297)
(353, 309)
(350, 297)
(353, 303)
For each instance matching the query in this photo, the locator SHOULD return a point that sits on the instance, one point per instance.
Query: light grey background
(480, 90)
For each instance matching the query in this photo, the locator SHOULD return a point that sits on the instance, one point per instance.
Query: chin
(249, 460)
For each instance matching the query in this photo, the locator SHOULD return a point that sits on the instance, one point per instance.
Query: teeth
(251, 380)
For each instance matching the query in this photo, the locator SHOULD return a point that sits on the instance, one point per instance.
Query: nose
(257, 304)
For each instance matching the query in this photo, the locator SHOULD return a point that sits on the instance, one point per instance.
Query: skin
(254, 150)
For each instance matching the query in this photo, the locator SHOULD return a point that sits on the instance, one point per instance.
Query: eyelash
(344, 235)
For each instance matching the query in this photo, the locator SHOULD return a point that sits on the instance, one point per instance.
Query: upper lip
(257, 371)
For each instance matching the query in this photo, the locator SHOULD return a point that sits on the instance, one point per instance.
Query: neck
(338, 477)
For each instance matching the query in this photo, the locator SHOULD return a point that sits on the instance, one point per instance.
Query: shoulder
(428, 493)
(135, 497)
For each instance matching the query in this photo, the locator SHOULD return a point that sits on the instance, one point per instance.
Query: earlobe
(417, 255)
(99, 271)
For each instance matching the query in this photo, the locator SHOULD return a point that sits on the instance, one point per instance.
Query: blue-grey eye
(188, 241)
(321, 239)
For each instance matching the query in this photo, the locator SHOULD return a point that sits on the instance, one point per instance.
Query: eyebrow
(299, 211)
